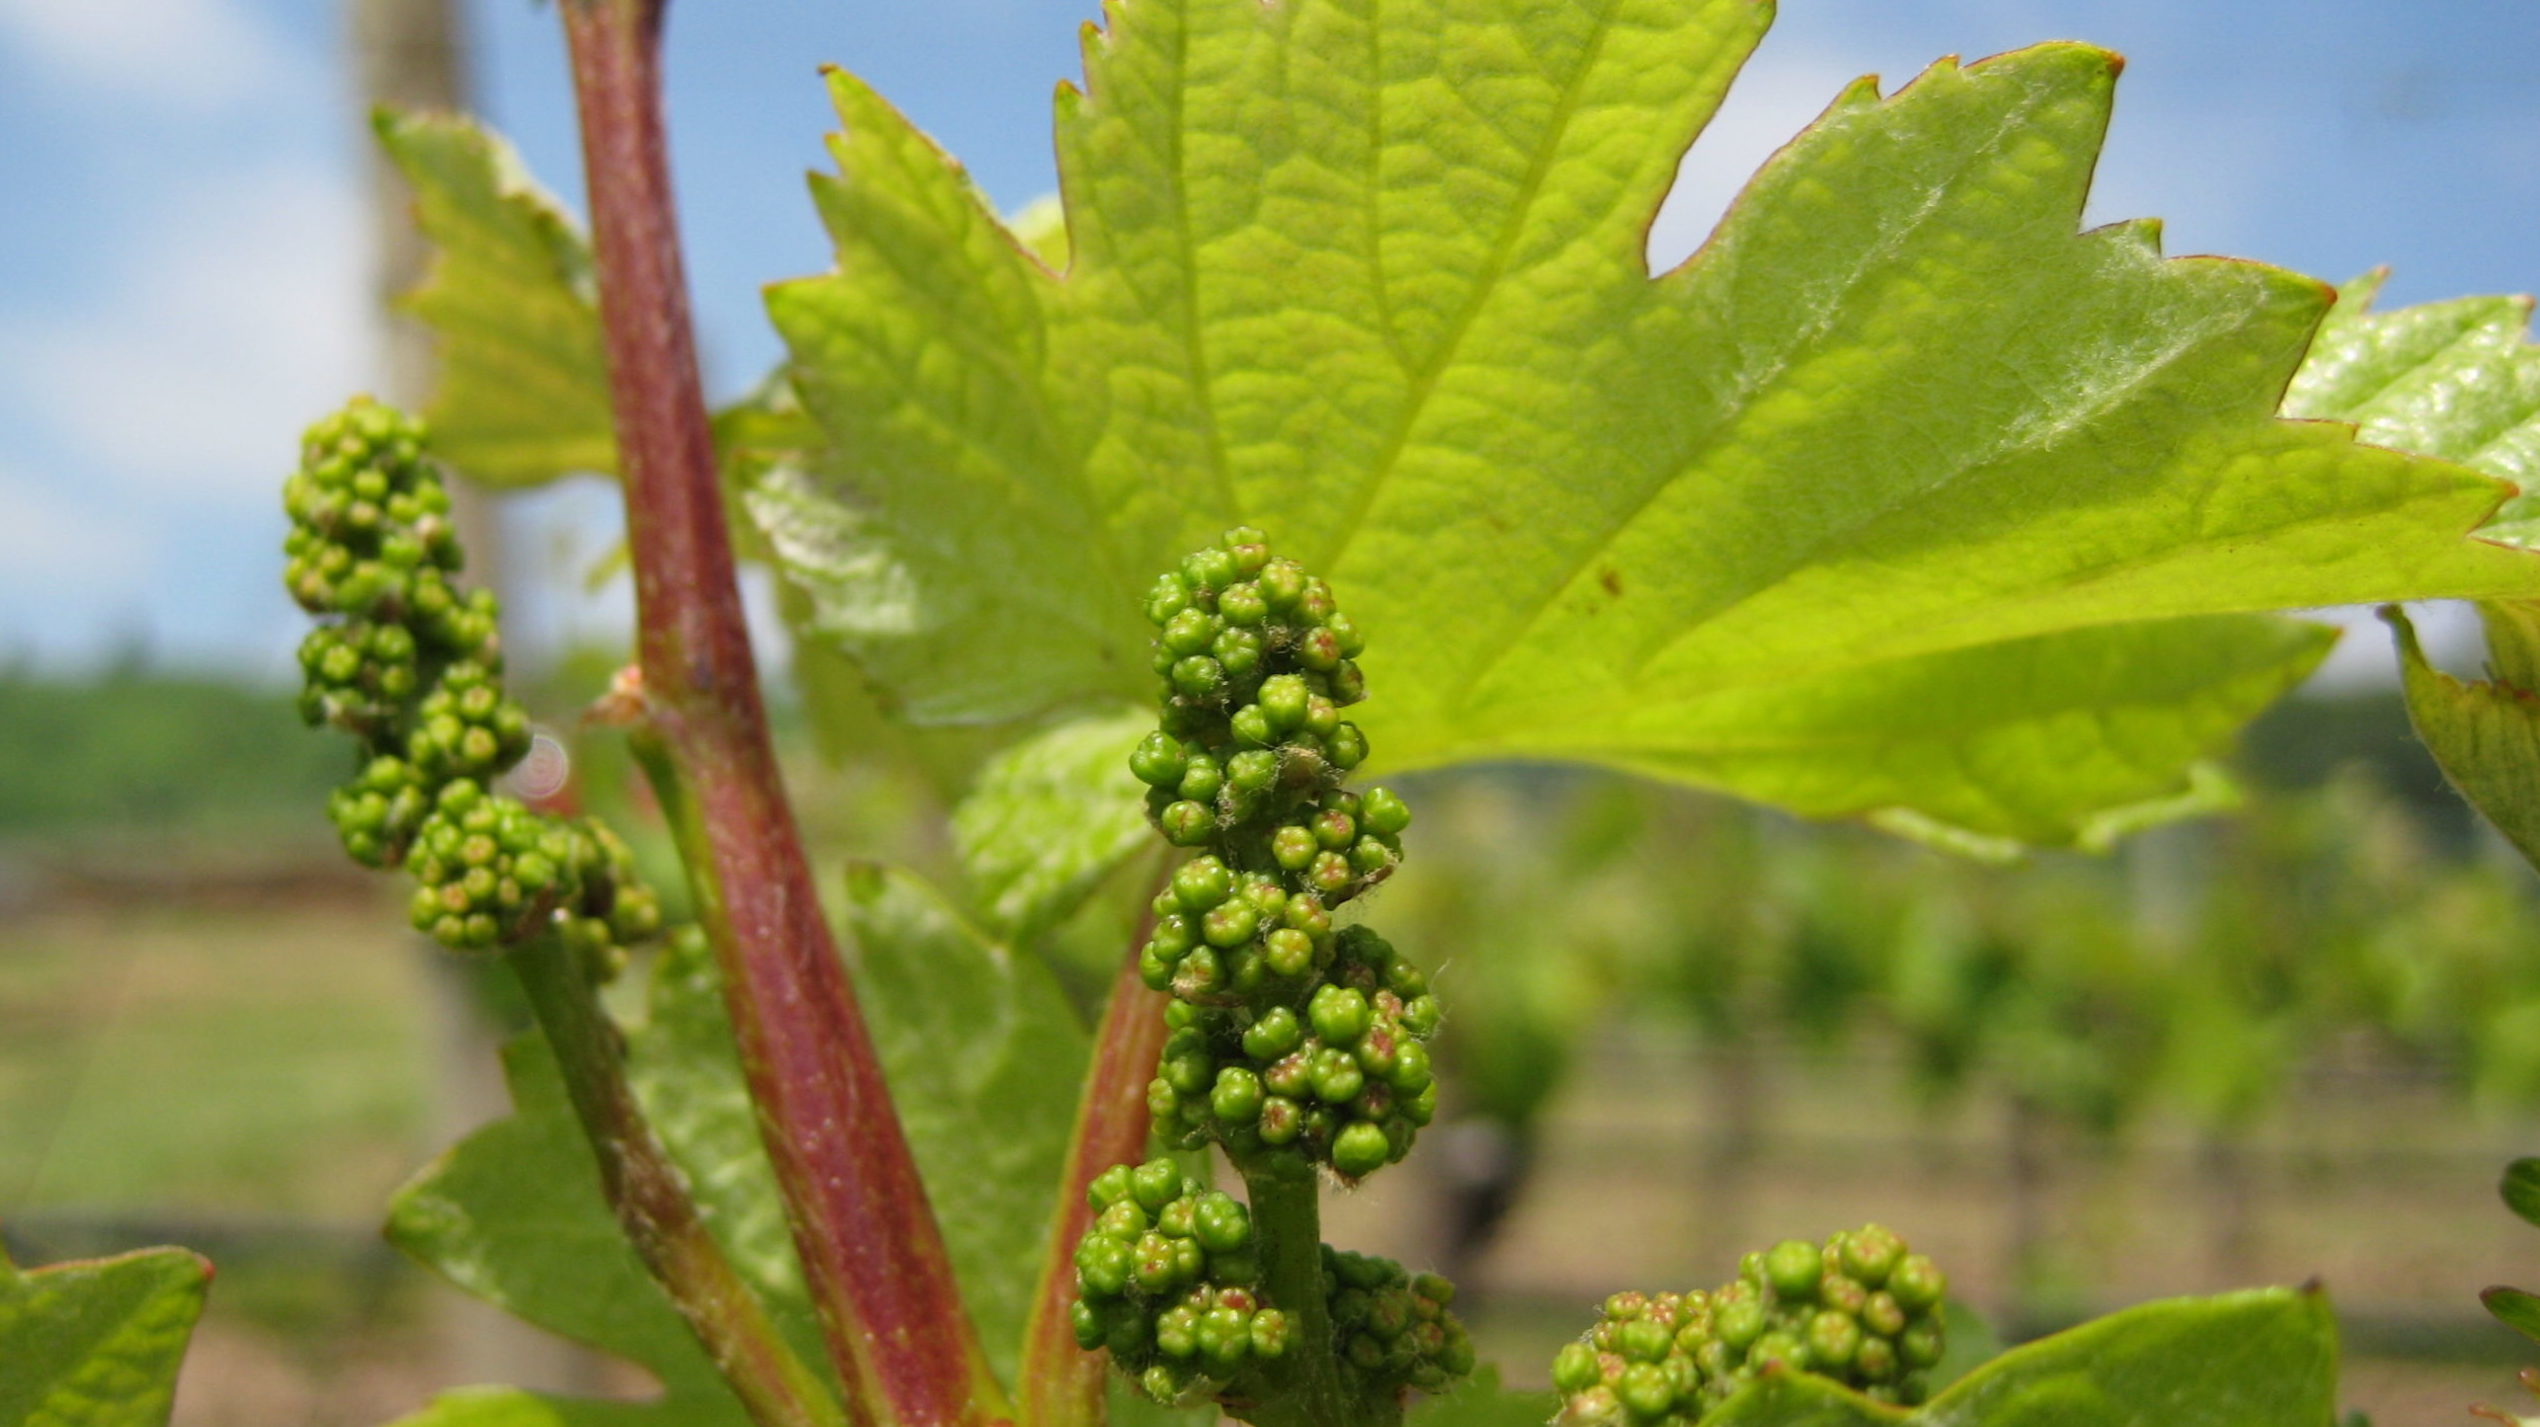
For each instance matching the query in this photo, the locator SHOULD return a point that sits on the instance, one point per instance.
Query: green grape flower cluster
(1392, 1328)
(1164, 1281)
(1292, 1043)
(1348, 1078)
(1857, 1308)
(483, 863)
(412, 668)
(1289, 1035)
(371, 540)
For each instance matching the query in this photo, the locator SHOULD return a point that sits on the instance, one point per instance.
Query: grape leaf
(687, 1075)
(523, 393)
(2515, 1309)
(983, 1054)
(2455, 379)
(513, 1215)
(2521, 1190)
(1802, 1400)
(518, 1407)
(2248, 1359)
(97, 1343)
(984, 1057)
(2485, 735)
(2450, 379)
(2254, 1359)
(1484, 1401)
(1051, 817)
(1373, 282)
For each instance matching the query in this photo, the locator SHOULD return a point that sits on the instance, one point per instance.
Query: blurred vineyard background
(2296, 1042)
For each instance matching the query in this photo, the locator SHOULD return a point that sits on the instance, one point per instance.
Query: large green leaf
(97, 1343)
(2260, 1359)
(1896, 448)
(1049, 818)
(984, 1056)
(522, 395)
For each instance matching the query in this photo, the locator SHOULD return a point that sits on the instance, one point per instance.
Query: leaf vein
(1195, 348)
(1424, 382)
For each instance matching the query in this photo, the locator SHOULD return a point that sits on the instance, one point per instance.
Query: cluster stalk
(653, 1205)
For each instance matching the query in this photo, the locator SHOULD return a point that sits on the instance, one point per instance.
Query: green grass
(250, 1061)
(161, 753)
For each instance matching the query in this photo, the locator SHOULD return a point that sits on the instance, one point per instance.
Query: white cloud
(185, 52)
(238, 315)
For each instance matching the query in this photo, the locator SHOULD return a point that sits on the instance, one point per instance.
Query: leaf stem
(1061, 1385)
(650, 1197)
(872, 1255)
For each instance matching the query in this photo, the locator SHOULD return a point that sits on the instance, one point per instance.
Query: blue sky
(182, 279)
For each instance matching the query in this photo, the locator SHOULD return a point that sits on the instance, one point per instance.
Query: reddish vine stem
(872, 1254)
(1061, 1384)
